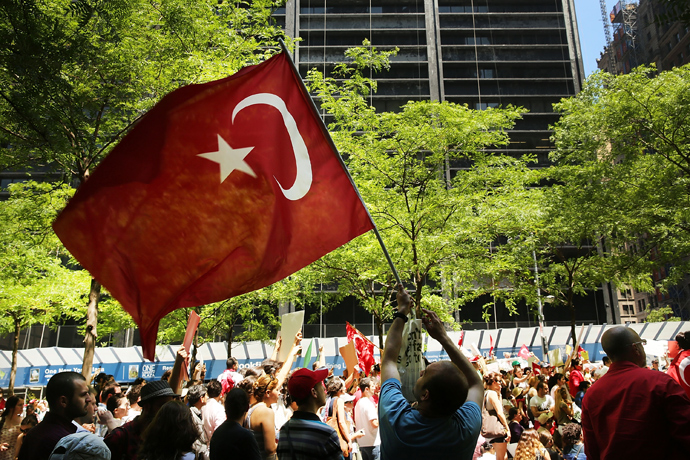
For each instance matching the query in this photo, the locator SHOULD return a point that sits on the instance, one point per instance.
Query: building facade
(483, 53)
(641, 37)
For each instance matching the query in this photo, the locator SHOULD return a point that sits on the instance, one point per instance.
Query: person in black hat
(124, 441)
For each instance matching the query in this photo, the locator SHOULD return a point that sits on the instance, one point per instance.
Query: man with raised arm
(447, 419)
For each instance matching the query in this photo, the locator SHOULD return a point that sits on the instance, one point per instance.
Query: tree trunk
(379, 329)
(230, 326)
(572, 318)
(91, 323)
(15, 350)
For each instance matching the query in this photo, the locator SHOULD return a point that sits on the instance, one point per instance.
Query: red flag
(462, 338)
(221, 189)
(524, 352)
(491, 343)
(364, 348)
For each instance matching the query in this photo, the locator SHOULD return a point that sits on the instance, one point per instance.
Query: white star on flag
(229, 159)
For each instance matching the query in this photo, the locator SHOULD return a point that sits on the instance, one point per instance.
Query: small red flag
(221, 189)
(364, 348)
(462, 338)
(524, 352)
(491, 343)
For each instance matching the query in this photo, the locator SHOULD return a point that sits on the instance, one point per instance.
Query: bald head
(624, 344)
(441, 390)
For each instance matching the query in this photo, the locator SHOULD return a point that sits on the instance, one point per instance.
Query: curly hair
(571, 434)
(170, 434)
(529, 446)
(247, 384)
(263, 385)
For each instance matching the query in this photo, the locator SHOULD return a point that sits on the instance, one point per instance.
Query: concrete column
(433, 50)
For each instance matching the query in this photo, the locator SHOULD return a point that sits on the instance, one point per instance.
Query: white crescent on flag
(303, 179)
(684, 371)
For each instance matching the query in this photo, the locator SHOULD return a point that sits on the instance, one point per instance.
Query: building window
(677, 38)
(669, 46)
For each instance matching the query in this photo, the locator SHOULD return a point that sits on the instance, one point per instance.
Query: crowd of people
(461, 409)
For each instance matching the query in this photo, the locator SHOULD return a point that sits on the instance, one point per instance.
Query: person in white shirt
(599, 373)
(367, 419)
(213, 413)
(543, 403)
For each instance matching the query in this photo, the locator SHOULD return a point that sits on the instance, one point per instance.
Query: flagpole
(340, 159)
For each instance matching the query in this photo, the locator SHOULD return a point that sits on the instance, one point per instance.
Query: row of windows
(449, 37)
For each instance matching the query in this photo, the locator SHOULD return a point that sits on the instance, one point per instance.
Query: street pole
(544, 347)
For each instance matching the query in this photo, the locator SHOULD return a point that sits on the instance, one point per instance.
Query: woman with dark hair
(10, 426)
(170, 435)
(515, 417)
(492, 403)
(335, 409)
(260, 417)
(28, 423)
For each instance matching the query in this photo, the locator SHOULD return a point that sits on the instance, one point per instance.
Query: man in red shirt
(633, 412)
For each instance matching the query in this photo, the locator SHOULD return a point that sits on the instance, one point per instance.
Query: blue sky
(591, 29)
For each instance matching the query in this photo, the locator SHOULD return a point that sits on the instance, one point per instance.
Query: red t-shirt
(634, 412)
(576, 379)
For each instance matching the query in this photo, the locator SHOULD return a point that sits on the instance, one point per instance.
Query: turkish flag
(462, 338)
(364, 348)
(221, 189)
(524, 352)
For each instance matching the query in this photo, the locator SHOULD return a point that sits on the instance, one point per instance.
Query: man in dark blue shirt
(230, 440)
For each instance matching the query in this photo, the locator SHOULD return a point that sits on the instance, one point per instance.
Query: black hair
(512, 412)
(231, 362)
(683, 339)
(606, 359)
(364, 383)
(170, 434)
(271, 366)
(62, 384)
(10, 404)
(236, 403)
(214, 389)
(114, 402)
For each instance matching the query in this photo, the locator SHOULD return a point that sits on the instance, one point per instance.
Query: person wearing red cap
(447, 418)
(305, 436)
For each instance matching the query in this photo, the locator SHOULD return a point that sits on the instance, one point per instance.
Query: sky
(592, 39)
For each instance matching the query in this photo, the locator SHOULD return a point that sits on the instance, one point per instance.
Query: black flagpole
(340, 159)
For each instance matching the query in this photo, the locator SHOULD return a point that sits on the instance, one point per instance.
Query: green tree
(75, 75)
(35, 285)
(626, 143)
(400, 162)
(660, 314)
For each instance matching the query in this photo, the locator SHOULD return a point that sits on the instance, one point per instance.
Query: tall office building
(483, 53)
